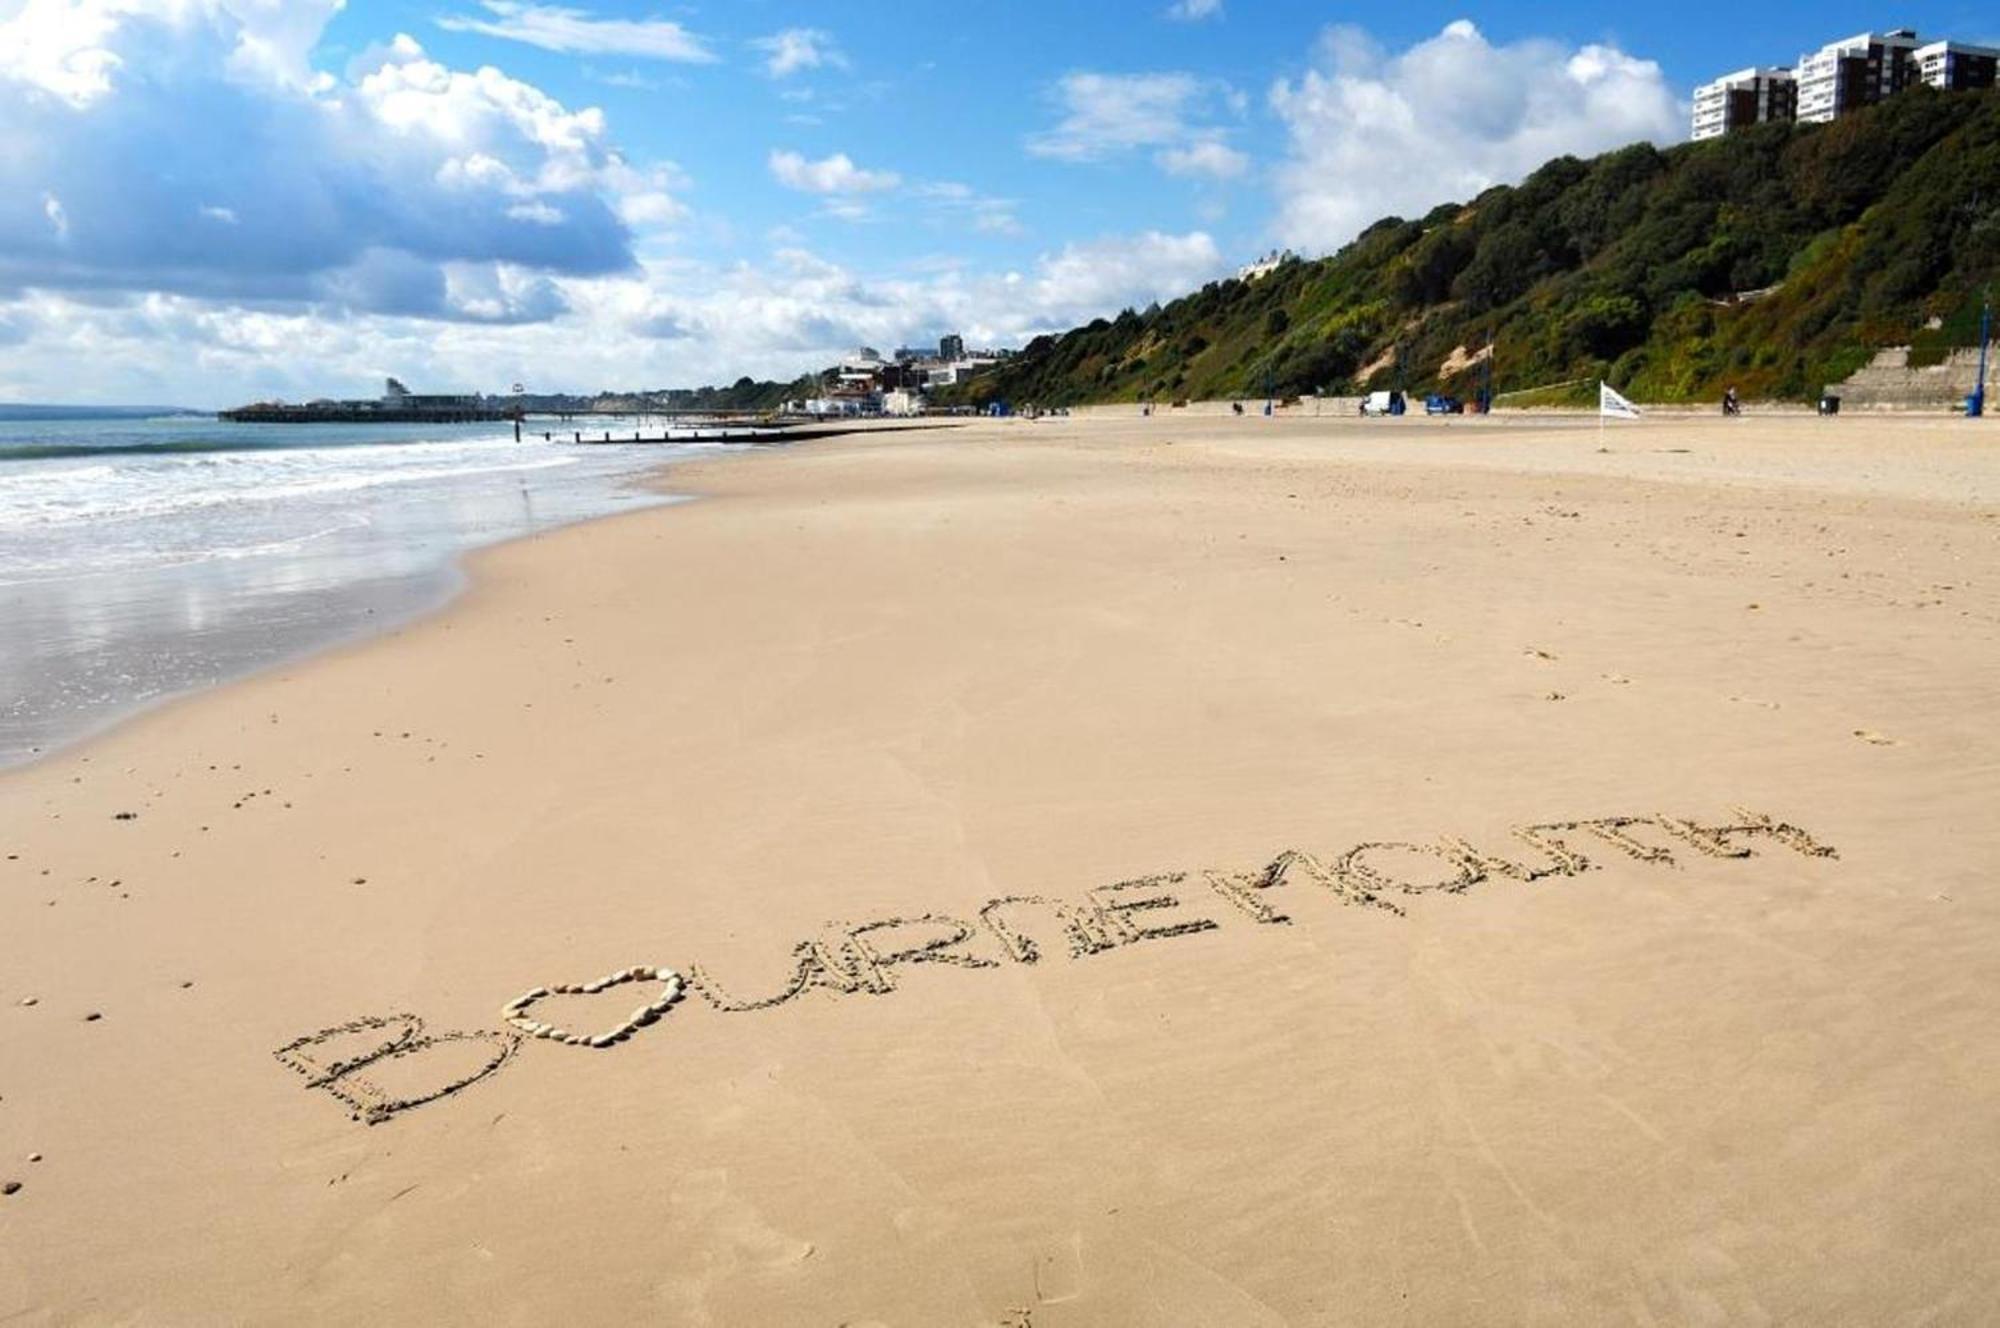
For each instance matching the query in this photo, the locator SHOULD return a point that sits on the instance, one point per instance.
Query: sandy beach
(1083, 872)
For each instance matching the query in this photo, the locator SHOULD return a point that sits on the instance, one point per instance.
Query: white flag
(1610, 403)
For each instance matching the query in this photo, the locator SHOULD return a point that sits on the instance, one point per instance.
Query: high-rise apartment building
(1843, 76)
(1746, 97)
(1953, 66)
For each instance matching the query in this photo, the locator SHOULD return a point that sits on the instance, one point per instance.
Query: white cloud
(833, 175)
(1105, 114)
(76, 50)
(1108, 115)
(189, 146)
(797, 49)
(1204, 157)
(961, 204)
(671, 321)
(577, 32)
(1374, 133)
(1194, 11)
(190, 211)
(1083, 281)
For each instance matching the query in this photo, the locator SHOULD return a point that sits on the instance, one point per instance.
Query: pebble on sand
(11, 1187)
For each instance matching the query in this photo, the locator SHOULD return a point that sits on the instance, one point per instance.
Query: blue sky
(205, 201)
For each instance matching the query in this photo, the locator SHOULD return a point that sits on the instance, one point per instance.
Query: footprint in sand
(1877, 739)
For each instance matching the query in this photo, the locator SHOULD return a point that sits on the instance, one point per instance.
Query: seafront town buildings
(867, 383)
(1839, 79)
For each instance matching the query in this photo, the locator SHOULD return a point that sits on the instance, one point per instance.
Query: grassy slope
(1622, 267)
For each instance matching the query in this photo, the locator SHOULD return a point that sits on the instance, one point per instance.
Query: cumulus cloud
(1194, 11)
(832, 175)
(1374, 133)
(671, 321)
(194, 212)
(577, 32)
(1109, 115)
(1084, 281)
(797, 49)
(801, 310)
(188, 146)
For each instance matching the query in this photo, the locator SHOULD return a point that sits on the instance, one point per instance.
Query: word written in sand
(349, 1061)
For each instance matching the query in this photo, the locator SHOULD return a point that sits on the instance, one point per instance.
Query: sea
(146, 556)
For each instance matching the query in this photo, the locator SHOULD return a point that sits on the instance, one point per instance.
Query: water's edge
(375, 611)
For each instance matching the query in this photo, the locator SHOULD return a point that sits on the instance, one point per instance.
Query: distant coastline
(29, 411)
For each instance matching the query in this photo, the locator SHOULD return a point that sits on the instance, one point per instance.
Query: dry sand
(899, 678)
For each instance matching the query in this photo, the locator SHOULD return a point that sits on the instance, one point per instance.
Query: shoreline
(431, 589)
(801, 742)
(372, 610)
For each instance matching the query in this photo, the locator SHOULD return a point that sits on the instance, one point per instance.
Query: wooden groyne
(745, 433)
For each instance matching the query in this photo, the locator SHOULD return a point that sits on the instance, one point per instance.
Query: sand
(1469, 877)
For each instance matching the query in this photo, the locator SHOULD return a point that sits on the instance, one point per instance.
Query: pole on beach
(1975, 405)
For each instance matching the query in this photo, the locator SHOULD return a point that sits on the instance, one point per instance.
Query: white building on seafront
(1844, 76)
(1746, 97)
(1840, 78)
(1951, 66)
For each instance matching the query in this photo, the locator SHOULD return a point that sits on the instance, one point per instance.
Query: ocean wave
(156, 495)
(72, 564)
(11, 482)
(47, 450)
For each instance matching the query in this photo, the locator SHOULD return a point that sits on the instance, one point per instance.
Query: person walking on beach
(1730, 405)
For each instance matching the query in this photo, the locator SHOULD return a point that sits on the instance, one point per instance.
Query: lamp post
(1975, 405)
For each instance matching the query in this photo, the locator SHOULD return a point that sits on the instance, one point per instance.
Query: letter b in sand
(380, 1065)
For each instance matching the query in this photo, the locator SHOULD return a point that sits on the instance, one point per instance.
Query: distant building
(1951, 66)
(1844, 76)
(951, 347)
(1746, 97)
(1264, 266)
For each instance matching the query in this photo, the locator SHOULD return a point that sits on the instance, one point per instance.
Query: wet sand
(1081, 872)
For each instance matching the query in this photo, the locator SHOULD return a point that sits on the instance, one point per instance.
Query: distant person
(1236, 407)
(1730, 405)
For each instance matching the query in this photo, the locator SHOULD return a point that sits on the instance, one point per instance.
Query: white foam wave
(136, 492)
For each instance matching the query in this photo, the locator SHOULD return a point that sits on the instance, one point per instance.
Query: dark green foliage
(1776, 259)
(743, 394)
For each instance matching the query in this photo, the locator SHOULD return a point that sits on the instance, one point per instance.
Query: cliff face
(1777, 260)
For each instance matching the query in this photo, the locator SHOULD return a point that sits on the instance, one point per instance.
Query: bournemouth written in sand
(346, 1061)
